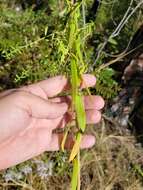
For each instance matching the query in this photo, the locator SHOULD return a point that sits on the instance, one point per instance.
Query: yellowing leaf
(76, 147)
(64, 140)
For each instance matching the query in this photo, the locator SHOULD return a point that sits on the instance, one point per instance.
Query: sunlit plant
(76, 33)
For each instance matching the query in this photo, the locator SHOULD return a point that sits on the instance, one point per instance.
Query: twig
(100, 52)
(122, 55)
(125, 19)
(118, 29)
(122, 22)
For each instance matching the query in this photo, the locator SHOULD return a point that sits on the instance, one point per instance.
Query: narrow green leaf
(80, 112)
(74, 182)
(75, 81)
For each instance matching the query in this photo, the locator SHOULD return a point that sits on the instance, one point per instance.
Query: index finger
(55, 85)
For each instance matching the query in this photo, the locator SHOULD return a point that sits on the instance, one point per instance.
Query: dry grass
(114, 163)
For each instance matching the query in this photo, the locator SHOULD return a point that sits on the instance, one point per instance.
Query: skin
(29, 115)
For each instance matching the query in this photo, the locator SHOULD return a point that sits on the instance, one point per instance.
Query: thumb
(42, 108)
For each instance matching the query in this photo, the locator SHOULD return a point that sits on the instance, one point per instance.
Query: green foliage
(60, 164)
(106, 85)
(33, 44)
(138, 169)
(28, 54)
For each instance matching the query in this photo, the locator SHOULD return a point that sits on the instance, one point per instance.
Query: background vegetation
(29, 42)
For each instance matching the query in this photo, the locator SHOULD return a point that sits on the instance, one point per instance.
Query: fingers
(33, 143)
(6, 92)
(55, 85)
(51, 86)
(23, 147)
(87, 142)
(90, 102)
(88, 80)
(92, 106)
(92, 117)
(93, 102)
(40, 108)
(44, 109)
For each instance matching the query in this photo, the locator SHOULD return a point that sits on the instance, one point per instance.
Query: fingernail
(91, 141)
(100, 102)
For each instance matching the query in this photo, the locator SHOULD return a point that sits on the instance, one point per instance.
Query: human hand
(29, 115)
